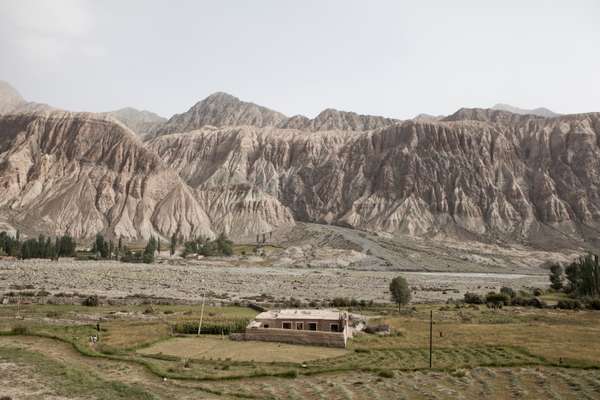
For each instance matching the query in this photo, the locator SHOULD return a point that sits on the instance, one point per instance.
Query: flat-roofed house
(300, 326)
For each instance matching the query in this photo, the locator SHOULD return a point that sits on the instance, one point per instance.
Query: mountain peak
(332, 119)
(222, 96)
(540, 111)
(141, 122)
(10, 98)
(221, 109)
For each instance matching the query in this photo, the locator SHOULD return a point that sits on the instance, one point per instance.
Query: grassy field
(221, 348)
(478, 352)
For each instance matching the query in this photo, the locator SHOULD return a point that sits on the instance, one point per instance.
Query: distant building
(298, 326)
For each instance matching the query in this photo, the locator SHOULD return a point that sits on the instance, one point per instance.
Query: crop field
(221, 348)
(525, 353)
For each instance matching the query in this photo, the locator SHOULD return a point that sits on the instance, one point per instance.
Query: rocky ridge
(141, 122)
(222, 109)
(540, 111)
(478, 174)
(81, 173)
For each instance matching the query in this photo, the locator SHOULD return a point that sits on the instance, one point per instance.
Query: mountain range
(540, 111)
(231, 166)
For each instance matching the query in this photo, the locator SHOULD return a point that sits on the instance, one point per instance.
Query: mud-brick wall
(329, 339)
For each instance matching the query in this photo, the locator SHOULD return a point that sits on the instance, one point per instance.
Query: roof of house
(301, 314)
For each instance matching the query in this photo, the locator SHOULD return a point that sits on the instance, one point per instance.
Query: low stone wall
(329, 339)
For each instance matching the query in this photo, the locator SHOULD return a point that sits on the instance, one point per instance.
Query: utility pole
(430, 338)
(201, 310)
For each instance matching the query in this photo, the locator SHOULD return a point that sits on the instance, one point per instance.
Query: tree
(400, 291)
(148, 255)
(101, 246)
(224, 245)
(42, 247)
(119, 250)
(9, 245)
(508, 291)
(158, 246)
(173, 243)
(556, 277)
(584, 276)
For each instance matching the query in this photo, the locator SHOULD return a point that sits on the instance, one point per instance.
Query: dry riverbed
(226, 282)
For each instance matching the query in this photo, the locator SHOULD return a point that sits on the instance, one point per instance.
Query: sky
(391, 58)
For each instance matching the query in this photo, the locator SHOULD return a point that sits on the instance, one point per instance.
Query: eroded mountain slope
(80, 174)
(479, 174)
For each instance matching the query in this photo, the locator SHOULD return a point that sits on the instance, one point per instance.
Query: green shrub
(508, 291)
(19, 330)
(593, 304)
(211, 327)
(91, 301)
(290, 374)
(537, 303)
(386, 374)
(520, 301)
(497, 299)
(569, 304)
(340, 302)
(473, 298)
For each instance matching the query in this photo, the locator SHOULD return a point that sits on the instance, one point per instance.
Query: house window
(286, 325)
(312, 326)
(266, 326)
(300, 326)
(334, 327)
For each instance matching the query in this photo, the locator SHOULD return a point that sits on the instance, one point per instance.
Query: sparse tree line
(580, 281)
(221, 246)
(104, 249)
(40, 247)
(107, 250)
(507, 297)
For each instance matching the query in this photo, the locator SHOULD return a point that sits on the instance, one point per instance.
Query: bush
(569, 304)
(340, 302)
(593, 304)
(221, 246)
(386, 374)
(497, 299)
(373, 329)
(520, 301)
(508, 292)
(536, 302)
(19, 330)
(211, 327)
(473, 298)
(290, 374)
(538, 292)
(91, 301)
(131, 256)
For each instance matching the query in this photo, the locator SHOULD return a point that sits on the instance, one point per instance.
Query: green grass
(506, 338)
(66, 380)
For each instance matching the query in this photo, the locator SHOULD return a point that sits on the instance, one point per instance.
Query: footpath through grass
(66, 380)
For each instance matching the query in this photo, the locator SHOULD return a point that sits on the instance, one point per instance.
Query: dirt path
(111, 370)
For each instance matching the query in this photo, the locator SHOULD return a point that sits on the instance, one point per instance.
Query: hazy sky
(392, 58)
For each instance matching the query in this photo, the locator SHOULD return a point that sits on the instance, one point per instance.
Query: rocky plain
(311, 263)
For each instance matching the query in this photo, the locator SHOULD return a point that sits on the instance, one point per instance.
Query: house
(300, 326)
